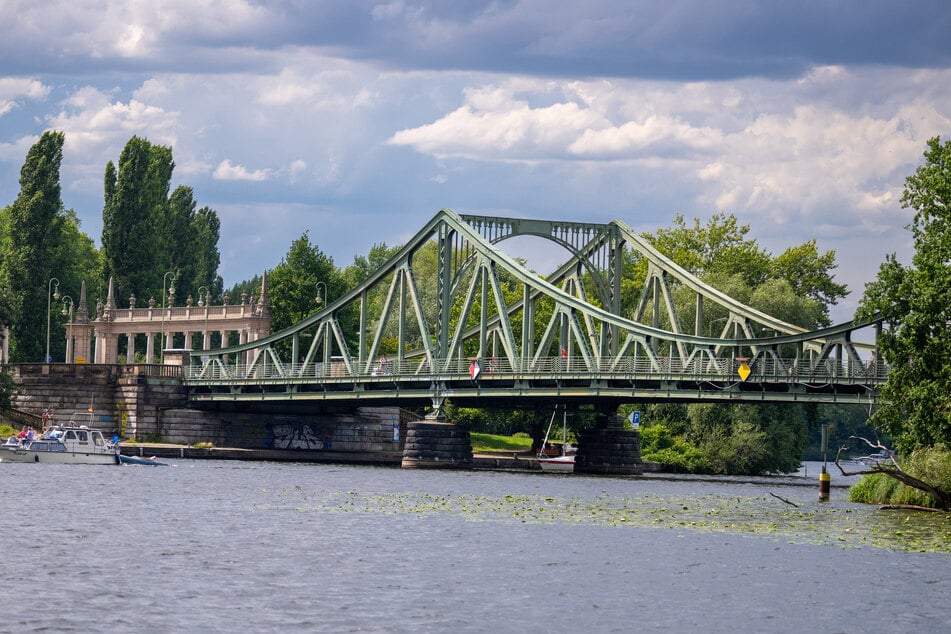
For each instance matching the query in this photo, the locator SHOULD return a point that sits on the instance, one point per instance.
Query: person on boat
(30, 434)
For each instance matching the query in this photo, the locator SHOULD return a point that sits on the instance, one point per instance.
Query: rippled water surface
(230, 546)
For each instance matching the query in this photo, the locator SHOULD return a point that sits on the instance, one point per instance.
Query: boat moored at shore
(62, 444)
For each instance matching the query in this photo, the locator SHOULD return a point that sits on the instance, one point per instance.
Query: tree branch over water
(942, 499)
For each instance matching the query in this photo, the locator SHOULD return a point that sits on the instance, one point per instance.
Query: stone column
(130, 348)
(609, 448)
(97, 347)
(107, 345)
(436, 445)
(150, 348)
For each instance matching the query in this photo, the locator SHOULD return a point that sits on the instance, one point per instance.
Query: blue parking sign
(635, 419)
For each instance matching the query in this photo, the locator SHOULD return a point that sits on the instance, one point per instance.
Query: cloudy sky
(357, 120)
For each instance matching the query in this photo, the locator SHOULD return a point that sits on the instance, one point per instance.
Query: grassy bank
(487, 443)
(930, 465)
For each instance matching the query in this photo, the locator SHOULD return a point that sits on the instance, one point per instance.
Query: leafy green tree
(191, 245)
(809, 273)
(293, 284)
(915, 403)
(796, 286)
(134, 218)
(76, 259)
(7, 389)
(34, 232)
(205, 234)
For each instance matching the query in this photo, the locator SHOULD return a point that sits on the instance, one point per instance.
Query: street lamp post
(205, 303)
(50, 295)
(319, 299)
(171, 289)
(68, 312)
(715, 321)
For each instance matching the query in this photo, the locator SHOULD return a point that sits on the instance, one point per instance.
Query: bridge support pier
(432, 444)
(609, 448)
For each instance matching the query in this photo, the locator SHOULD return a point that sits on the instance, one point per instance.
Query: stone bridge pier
(609, 449)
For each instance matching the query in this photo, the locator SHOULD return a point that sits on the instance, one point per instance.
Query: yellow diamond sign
(743, 371)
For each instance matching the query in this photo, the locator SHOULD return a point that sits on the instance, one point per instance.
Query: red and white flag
(474, 369)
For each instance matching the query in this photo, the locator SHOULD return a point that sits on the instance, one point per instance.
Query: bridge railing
(764, 369)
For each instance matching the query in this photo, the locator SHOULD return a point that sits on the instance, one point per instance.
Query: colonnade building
(151, 330)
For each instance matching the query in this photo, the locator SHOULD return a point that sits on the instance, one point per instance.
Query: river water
(217, 546)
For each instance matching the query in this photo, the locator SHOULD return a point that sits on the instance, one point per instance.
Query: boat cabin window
(83, 436)
(70, 435)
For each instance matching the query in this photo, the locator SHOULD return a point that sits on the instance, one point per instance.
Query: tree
(915, 403)
(293, 283)
(796, 286)
(135, 217)
(809, 274)
(35, 229)
(191, 244)
(205, 234)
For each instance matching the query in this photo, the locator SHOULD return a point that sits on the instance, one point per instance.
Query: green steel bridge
(451, 316)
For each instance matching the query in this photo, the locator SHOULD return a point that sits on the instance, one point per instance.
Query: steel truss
(451, 315)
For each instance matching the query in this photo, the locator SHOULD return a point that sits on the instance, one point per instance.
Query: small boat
(564, 463)
(874, 459)
(62, 444)
(141, 461)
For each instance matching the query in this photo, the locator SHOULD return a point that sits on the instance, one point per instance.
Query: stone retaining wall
(151, 407)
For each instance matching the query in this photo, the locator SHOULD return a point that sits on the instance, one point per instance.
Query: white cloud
(297, 169)
(756, 148)
(91, 120)
(12, 89)
(228, 171)
(16, 151)
(496, 123)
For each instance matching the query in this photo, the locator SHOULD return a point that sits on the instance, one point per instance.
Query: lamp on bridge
(171, 291)
(50, 293)
(321, 299)
(712, 323)
(68, 302)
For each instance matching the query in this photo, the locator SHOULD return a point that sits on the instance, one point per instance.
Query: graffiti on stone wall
(297, 435)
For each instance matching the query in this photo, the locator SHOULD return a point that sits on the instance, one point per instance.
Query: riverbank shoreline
(498, 461)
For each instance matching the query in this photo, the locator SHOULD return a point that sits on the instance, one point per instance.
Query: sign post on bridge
(744, 369)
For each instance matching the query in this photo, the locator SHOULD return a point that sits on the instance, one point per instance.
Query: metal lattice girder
(450, 297)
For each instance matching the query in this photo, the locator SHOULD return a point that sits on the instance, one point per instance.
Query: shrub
(659, 444)
(931, 465)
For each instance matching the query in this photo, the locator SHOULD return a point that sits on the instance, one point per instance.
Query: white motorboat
(62, 444)
(564, 463)
(882, 457)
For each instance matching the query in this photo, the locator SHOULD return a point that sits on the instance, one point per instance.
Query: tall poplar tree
(35, 227)
(191, 244)
(134, 218)
(205, 232)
